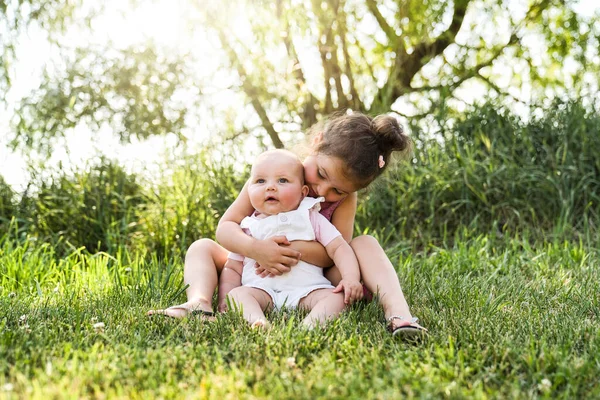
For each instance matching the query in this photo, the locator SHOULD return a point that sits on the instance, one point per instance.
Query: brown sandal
(411, 331)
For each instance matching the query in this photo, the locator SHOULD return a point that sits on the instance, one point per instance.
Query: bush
(8, 208)
(495, 172)
(94, 208)
(187, 202)
(490, 172)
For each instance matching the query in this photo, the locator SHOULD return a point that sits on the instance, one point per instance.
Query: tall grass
(491, 172)
(186, 203)
(495, 173)
(7, 203)
(492, 231)
(508, 320)
(93, 208)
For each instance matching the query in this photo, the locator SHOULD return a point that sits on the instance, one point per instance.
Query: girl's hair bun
(389, 134)
(365, 144)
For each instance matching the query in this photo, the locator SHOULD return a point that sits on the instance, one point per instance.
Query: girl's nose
(322, 189)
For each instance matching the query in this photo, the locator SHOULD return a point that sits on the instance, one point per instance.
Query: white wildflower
(99, 327)
(291, 362)
(545, 385)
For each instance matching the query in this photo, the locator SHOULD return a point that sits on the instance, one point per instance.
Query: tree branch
(356, 102)
(309, 116)
(251, 91)
(498, 90)
(383, 24)
(336, 69)
(424, 51)
(323, 50)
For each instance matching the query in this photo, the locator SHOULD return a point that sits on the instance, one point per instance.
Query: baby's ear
(304, 191)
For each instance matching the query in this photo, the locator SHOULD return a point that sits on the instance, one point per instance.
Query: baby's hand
(274, 256)
(260, 271)
(353, 290)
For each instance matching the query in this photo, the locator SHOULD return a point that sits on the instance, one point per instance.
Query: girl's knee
(208, 248)
(203, 244)
(364, 242)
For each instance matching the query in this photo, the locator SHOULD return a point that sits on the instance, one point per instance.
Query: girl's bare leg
(252, 302)
(323, 304)
(379, 276)
(203, 262)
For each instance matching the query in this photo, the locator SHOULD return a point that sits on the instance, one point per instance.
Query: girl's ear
(304, 191)
(317, 139)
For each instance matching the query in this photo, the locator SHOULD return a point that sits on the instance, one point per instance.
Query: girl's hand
(353, 290)
(274, 256)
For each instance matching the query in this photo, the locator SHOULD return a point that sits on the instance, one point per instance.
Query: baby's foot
(260, 324)
(222, 306)
(189, 308)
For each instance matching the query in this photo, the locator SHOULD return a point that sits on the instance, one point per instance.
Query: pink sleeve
(325, 232)
(235, 256)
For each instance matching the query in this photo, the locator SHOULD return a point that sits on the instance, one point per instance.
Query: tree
(296, 60)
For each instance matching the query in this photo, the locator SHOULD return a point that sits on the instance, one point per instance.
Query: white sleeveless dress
(287, 289)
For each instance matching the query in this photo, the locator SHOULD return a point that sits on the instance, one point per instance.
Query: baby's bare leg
(203, 261)
(252, 302)
(323, 304)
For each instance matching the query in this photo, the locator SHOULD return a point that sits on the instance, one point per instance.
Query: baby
(278, 194)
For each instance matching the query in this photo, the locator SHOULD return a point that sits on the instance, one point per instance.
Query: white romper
(288, 289)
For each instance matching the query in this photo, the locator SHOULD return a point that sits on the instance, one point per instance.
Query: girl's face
(325, 177)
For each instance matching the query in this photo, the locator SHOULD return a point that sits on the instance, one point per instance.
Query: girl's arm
(268, 253)
(343, 219)
(343, 216)
(345, 260)
(312, 252)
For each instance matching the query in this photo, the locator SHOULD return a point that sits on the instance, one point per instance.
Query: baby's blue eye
(283, 180)
(260, 181)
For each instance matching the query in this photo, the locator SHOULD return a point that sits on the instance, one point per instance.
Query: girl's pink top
(328, 207)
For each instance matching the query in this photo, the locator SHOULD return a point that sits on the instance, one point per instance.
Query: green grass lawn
(507, 320)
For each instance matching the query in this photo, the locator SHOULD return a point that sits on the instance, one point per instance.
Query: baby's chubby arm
(343, 256)
(268, 253)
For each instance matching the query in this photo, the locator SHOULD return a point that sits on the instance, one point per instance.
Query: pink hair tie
(381, 162)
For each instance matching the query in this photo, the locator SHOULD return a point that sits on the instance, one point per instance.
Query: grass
(507, 318)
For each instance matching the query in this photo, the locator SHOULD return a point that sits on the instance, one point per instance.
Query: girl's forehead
(335, 171)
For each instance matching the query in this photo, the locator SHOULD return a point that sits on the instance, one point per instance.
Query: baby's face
(276, 184)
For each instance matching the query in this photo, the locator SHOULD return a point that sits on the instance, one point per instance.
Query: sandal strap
(413, 320)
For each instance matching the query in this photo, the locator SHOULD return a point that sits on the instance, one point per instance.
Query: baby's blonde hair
(274, 154)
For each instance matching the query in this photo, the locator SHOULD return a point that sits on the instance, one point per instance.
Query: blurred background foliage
(287, 63)
(500, 98)
(492, 173)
